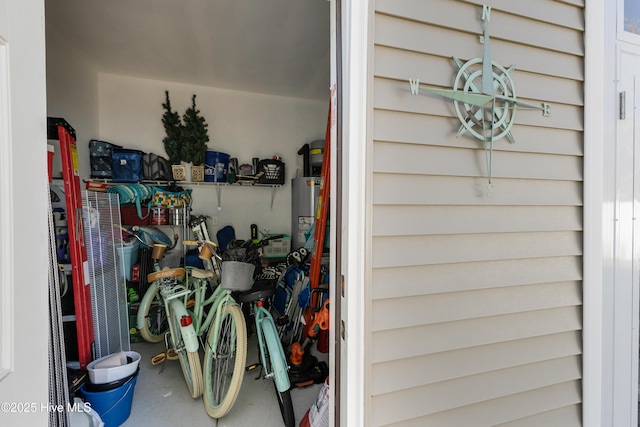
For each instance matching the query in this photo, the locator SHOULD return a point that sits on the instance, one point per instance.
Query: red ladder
(59, 129)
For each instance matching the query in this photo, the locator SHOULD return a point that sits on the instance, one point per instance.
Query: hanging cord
(58, 381)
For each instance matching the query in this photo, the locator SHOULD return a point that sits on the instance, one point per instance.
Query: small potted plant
(173, 140)
(195, 138)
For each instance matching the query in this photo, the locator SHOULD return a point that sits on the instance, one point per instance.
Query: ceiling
(278, 47)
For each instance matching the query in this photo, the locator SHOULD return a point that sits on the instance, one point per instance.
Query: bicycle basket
(237, 276)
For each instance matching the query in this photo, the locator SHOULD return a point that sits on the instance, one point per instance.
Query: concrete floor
(161, 397)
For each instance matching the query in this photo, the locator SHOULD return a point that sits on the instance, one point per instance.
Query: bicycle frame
(174, 296)
(217, 300)
(262, 316)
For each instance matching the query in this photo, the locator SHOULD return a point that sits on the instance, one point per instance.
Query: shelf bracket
(273, 195)
(218, 193)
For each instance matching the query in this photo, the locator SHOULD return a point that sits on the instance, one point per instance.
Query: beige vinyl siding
(476, 302)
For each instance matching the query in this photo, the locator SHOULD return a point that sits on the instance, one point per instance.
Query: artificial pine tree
(195, 135)
(173, 141)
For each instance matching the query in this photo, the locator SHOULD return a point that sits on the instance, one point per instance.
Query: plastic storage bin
(113, 406)
(129, 256)
(277, 248)
(273, 172)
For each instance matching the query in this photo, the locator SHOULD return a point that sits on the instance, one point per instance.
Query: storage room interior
(260, 72)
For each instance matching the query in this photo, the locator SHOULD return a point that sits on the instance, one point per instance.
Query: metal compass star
(484, 97)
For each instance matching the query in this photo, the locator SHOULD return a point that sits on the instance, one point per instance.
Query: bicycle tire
(222, 385)
(286, 406)
(189, 360)
(152, 317)
(278, 366)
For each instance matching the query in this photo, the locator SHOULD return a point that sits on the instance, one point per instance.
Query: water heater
(304, 200)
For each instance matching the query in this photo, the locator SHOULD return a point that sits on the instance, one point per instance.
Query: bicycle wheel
(277, 362)
(224, 365)
(189, 360)
(152, 317)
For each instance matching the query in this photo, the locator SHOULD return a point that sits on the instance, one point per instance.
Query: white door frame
(23, 217)
(355, 248)
(596, 256)
(609, 386)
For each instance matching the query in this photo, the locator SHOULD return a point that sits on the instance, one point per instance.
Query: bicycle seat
(165, 274)
(260, 290)
(198, 273)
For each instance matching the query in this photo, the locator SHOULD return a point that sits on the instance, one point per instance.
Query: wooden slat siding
(395, 126)
(403, 64)
(390, 220)
(395, 95)
(437, 337)
(433, 368)
(454, 306)
(565, 397)
(434, 279)
(447, 395)
(458, 248)
(434, 160)
(555, 12)
(475, 302)
(419, 37)
(390, 189)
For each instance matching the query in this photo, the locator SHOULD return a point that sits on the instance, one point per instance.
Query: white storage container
(114, 372)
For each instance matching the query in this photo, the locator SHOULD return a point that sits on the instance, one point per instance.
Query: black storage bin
(273, 172)
(127, 165)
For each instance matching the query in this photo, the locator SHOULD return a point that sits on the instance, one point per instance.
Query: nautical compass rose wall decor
(484, 98)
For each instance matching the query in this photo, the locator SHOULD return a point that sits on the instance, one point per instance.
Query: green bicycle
(191, 314)
(272, 356)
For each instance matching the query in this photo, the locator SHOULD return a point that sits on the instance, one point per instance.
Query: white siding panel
(396, 282)
(389, 189)
(506, 26)
(441, 12)
(418, 37)
(564, 397)
(390, 220)
(423, 250)
(450, 307)
(430, 160)
(567, 416)
(394, 126)
(402, 65)
(434, 338)
(433, 368)
(475, 302)
(395, 407)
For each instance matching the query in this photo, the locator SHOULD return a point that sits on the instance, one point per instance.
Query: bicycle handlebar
(196, 243)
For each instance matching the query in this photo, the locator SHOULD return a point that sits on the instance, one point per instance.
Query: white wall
(72, 93)
(242, 124)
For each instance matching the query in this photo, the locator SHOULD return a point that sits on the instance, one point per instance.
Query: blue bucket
(113, 406)
(215, 166)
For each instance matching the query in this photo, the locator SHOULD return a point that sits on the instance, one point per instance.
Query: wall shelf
(218, 185)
